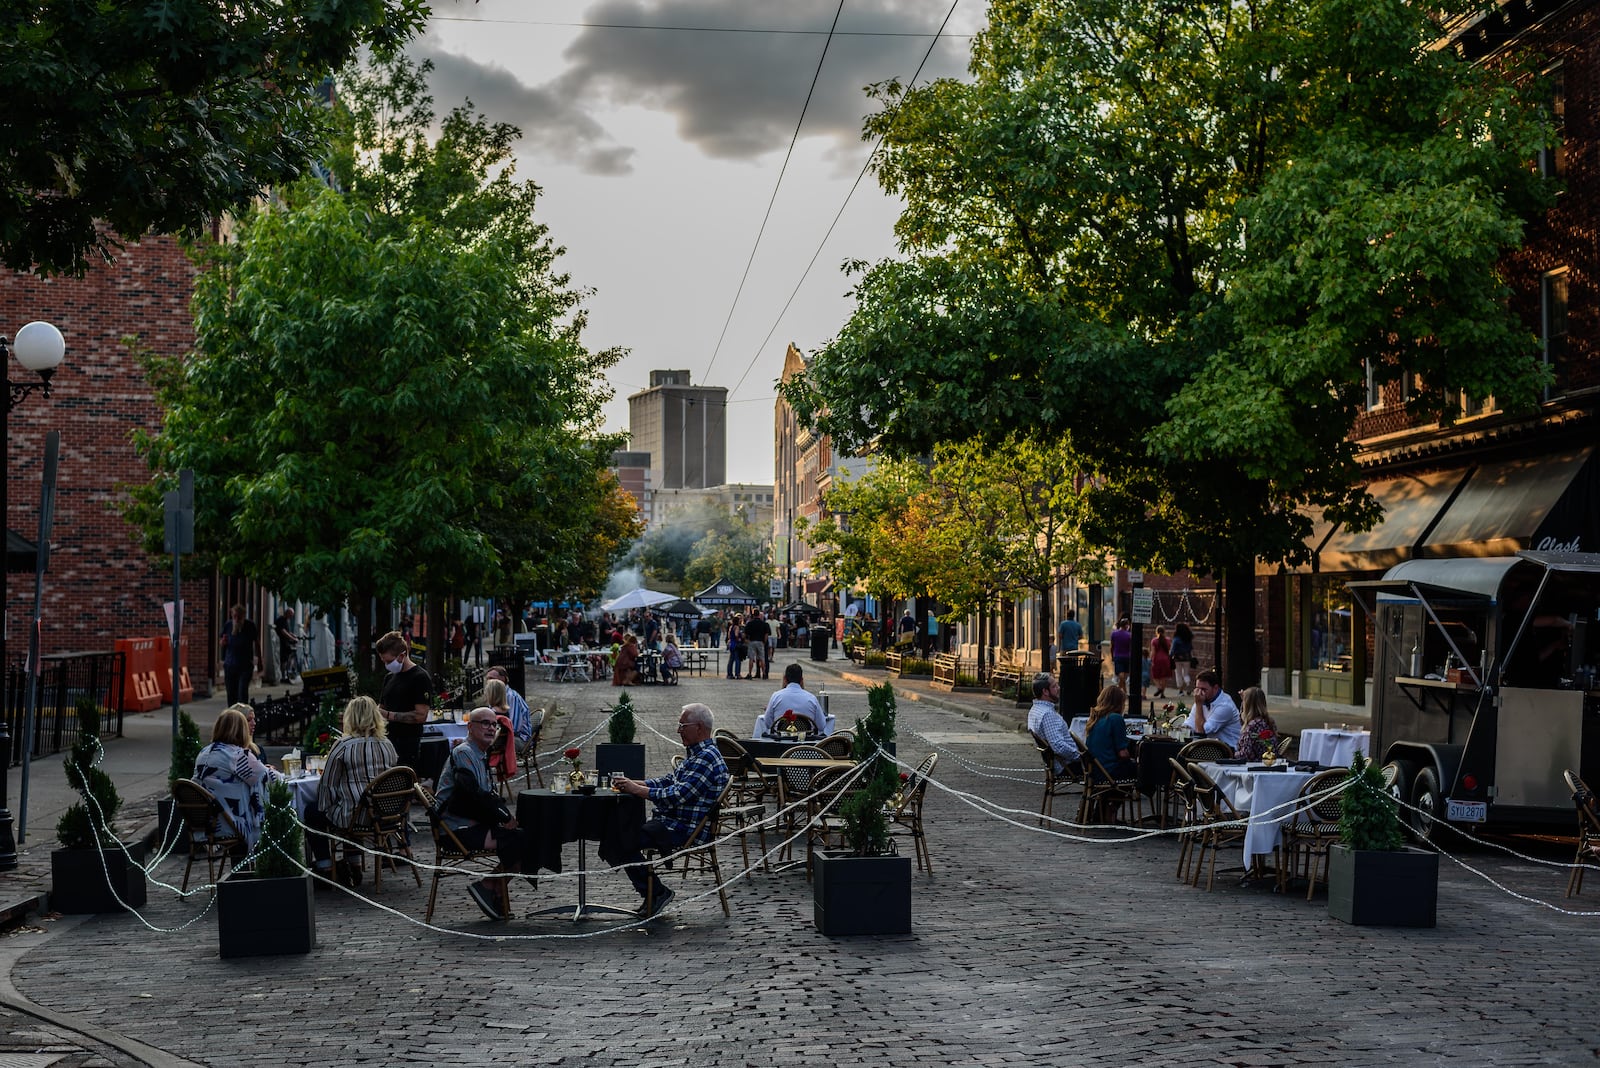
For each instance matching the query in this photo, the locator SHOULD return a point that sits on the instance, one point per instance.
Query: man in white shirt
(792, 698)
(1215, 714)
(1045, 722)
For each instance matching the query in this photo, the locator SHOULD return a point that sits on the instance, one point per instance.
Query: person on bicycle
(287, 641)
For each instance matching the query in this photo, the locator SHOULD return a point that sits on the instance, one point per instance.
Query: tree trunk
(438, 634)
(1046, 633)
(1240, 665)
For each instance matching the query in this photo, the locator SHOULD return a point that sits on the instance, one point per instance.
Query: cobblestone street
(1026, 947)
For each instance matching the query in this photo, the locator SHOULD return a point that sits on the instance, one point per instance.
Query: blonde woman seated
(1260, 730)
(230, 769)
(363, 754)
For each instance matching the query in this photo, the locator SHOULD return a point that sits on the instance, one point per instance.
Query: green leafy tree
(161, 116)
(1176, 233)
(367, 364)
(696, 545)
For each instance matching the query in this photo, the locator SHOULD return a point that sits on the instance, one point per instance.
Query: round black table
(551, 820)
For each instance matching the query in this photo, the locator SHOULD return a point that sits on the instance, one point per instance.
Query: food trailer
(1485, 685)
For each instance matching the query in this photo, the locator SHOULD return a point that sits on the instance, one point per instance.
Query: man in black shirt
(241, 645)
(407, 696)
(284, 627)
(755, 636)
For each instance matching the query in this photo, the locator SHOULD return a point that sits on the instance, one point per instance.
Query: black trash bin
(510, 657)
(820, 633)
(1080, 683)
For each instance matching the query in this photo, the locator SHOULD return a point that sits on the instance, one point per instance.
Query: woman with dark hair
(625, 671)
(1161, 662)
(1183, 661)
(1107, 734)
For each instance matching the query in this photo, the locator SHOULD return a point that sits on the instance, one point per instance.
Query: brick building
(101, 585)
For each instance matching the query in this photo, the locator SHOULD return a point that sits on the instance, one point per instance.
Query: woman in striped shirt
(356, 759)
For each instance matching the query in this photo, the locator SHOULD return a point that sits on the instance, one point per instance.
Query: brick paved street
(1026, 948)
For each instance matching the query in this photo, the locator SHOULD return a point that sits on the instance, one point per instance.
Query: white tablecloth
(1259, 793)
(303, 791)
(1080, 727)
(1333, 748)
(453, 732)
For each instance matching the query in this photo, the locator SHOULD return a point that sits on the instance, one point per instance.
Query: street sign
(1135, 578)
(775, 588)
(1144, 603)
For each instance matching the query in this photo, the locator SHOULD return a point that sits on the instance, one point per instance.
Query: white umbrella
(638, 598)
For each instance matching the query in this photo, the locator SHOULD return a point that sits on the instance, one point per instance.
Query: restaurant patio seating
(211, 830)
(838, 745)
(450, 854)
(744, 802)
(794, 785)
(905, 820)
(1310, 830)
(1583, 800)
(527, 760)
(1055, 785)
(824, 823)
(382, 816)
(1204, 749)
(1102, 793)
(703, 854)
(803, 724)
(1182, 791)
(1221, 824)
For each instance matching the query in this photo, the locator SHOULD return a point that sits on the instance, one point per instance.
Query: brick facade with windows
(101, 585)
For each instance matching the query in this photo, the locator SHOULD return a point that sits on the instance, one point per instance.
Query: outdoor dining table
(1334, 747)
(1154, 770)
(1266, 794)
(772, 748)
(551, 820)
(303, 793)
(1134, 725)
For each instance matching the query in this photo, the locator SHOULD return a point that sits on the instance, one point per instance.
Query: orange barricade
(140, 691)
(161, 665)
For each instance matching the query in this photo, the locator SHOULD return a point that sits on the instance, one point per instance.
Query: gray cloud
(552, 125)
(738, 95)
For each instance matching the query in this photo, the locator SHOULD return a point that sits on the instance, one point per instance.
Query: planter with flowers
(621, 754)
(865, 889)
(1374, 879)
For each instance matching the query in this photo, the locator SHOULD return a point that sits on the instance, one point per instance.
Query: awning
(1410, 506)
(722, 592)
(21, 554)
(1536, 503)
(822, 585)
(1320, 529)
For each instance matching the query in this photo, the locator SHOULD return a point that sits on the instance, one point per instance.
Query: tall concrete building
(684, 428)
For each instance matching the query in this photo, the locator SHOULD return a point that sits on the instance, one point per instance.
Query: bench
(1010, 665)
(946, 671)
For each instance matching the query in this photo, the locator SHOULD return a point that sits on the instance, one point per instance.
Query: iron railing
(63, 679)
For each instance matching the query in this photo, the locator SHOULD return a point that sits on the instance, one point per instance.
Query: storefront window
(1331, 621)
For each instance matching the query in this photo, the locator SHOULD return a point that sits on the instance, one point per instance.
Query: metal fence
(64, 678)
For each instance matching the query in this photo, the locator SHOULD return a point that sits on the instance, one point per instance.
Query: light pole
(39, 348)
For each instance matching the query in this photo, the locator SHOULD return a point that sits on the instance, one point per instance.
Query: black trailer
(1485, 685)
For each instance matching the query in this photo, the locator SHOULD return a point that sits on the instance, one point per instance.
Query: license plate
(1467, 811)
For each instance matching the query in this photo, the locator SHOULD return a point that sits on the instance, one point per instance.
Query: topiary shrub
(622, 726)
(281, 846)
(88, 823)
(1369, 817)
(866, 831)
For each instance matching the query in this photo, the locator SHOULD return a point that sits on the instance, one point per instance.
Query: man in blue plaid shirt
(682, 800)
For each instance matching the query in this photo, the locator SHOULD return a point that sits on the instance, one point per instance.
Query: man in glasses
(471, 807)
(682, 800)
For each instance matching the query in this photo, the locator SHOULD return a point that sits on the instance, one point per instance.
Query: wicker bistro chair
(1310, 831)
(211, 830)
(744, 805)
(451, 854)
(905, 820)
(1102, 793)
(383, 816)
(1221, 824)
(1583, 800)
(794, 784)
(703, 854)
(1182, 790)
(1204, 749)
(838, 745)
(1055, 784)
(824, 823)
(804, 725)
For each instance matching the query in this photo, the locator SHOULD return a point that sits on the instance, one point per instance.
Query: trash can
(1080, 683)
(819, 641)
(510, 658)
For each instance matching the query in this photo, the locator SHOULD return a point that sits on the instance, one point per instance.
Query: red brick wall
(100, 585)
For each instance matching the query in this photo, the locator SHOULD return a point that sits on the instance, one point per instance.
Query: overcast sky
(658, 140)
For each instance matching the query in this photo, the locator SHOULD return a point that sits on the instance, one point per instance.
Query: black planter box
(259, 917)
(81, 880)
(626, 757)
(1376, 888)
(861, 895)
(167, 836)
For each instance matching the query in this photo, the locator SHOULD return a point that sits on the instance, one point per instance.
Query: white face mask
(394, 667)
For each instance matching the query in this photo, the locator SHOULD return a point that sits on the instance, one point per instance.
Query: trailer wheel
(1427, 811)
(1405, 773)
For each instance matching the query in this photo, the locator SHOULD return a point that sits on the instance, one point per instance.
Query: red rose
(905, 776)
(1265, 736)
(573, 754)
(788, 717)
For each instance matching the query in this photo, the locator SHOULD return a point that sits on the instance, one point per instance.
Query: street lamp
(39, 348)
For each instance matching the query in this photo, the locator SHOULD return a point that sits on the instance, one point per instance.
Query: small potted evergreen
(186, 746)
(865, 888)
(622, 753)
(93, 871)
(1374, 879)
(270, 908)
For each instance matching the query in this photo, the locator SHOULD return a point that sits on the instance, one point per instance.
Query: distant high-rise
(684, 428)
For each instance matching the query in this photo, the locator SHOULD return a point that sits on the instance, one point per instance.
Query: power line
(775, 187)
(691, 29)
(840, 213)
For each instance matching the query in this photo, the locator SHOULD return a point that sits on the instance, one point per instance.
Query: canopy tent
(637, 598)
(683, 607)
(723, 593)
(801, 608)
